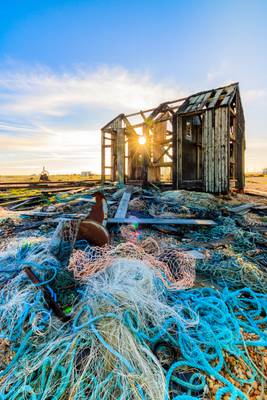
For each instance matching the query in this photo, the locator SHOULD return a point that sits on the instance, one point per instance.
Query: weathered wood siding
(215, 142)
(157, 147)
(241, 144)
(179, 142)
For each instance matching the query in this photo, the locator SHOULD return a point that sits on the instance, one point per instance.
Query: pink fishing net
(176, 269)
(137, 204)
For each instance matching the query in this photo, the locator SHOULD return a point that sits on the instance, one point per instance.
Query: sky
(68, 67)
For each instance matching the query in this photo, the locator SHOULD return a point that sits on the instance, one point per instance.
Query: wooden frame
(222, 121)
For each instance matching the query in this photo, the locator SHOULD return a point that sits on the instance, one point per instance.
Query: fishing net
(243, 240)
(192, 199)
(63, 239)
(176, 269)
(230, 270)
(185, 203)
(138, 328)
(33, 253)
(115, 343)
(137, 205)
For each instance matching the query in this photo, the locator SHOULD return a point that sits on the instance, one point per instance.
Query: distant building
(86, 173)
(264, 171)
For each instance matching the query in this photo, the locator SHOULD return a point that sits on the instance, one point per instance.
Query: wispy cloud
(252, 95)
(54, 118)
(221, 74)
(45, 93)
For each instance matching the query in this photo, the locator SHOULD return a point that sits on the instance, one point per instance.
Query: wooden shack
(196, 143)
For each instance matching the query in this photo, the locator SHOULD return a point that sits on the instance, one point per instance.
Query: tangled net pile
(233, 272)
(174, 268)
(135, 331)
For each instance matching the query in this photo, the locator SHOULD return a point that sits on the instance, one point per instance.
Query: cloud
(220, 74)
(44, 92)
(252, 95)
(54, 118)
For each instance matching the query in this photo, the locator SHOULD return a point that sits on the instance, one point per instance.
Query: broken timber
(161, 221)
(123, 206)
(254, 192)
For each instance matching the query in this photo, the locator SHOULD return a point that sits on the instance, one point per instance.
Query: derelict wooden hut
(196, 143)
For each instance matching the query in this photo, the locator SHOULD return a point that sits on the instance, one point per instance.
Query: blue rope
(207, 325)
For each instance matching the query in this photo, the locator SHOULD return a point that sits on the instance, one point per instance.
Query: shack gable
(222, 96)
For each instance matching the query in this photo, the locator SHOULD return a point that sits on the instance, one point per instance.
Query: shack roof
(207, 99)
(200, 101)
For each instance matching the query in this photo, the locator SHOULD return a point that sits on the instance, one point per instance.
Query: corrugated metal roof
(208, 99)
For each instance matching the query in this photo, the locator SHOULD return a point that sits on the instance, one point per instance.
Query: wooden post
(159, 135)
(227, 131)
(103, 153)
(174, 151)
(130, 155)
(145, 157)
(240, 125)
(113, 157)
(206, 145)
(212, 146)
(120, 151)
(179, 151)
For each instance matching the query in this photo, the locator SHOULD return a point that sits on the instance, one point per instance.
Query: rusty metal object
(47, 295)
(95, 233)
(98, 212)
(92, 227)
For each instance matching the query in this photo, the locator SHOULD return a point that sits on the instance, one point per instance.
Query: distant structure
(86, 173)
(264, 171)
(195, 143)
(44, 176)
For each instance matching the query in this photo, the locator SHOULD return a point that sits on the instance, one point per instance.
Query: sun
(142, 140)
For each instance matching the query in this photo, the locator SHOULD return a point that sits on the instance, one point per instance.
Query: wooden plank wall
(159, 135)
(215, 150)
(175, 149)
(241, 145)
(120, 149)
(179, 140)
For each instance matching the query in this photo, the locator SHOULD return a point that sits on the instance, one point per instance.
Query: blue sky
(67, 67)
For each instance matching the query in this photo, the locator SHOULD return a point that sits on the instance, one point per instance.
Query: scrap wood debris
(160, 312)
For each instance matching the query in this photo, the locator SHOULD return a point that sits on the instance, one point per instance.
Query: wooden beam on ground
(242, 209)
(162, 221)
(255, 192)
(123, 206)
(26, 202)
(49, 183)
(43, 214)
(53, 186)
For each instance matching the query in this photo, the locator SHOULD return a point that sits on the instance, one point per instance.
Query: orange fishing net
(137, 204)
(176, 269)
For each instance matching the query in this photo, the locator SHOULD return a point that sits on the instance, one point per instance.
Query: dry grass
(253, 180)
(53, 178)
(256, 182)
